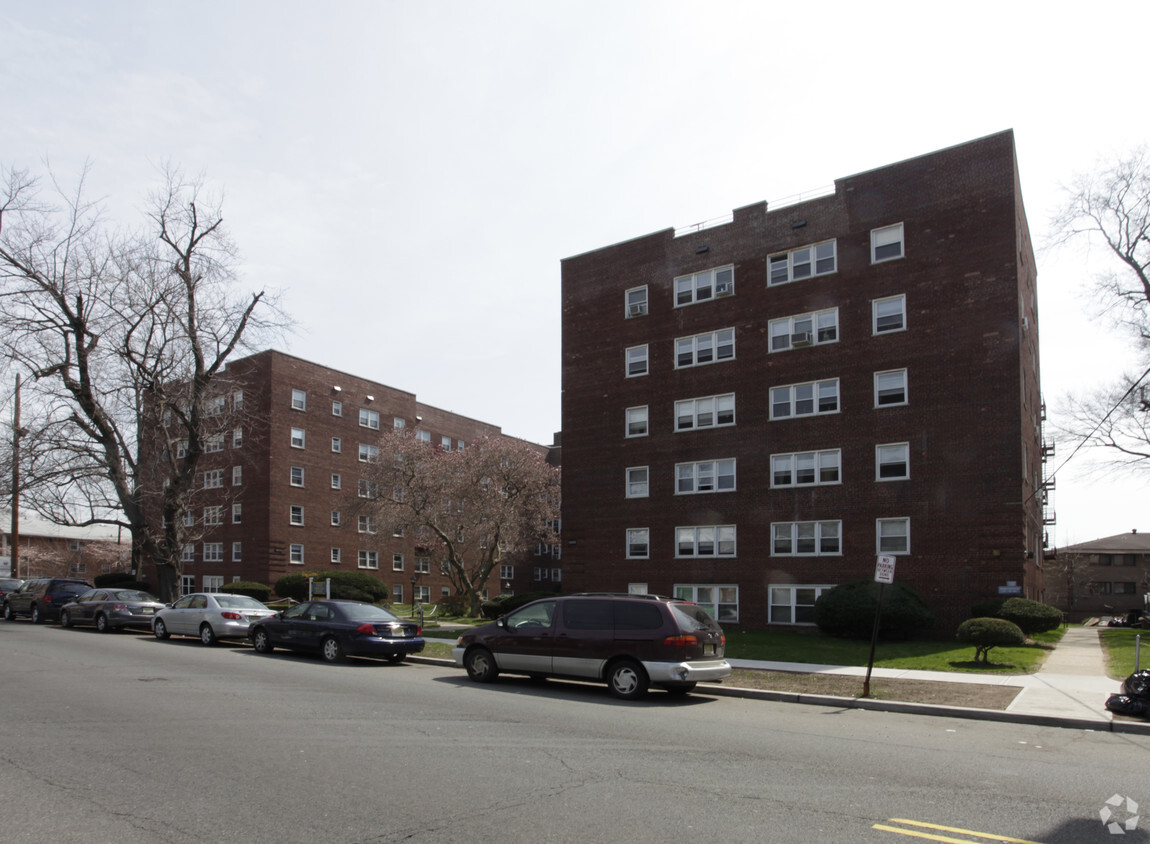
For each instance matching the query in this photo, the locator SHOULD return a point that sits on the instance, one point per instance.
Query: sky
(409, 175)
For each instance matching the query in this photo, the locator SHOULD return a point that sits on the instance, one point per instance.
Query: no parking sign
(884, 570)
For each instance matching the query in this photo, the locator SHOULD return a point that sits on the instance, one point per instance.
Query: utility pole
(17, 432)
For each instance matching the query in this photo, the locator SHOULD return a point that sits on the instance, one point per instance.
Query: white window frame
(295, 514)
(213, 582)
(891, 382)
(397, 562)
(506, 572)
(237, 475)
(704, 286)
(336, 445)
(886, 308)
(366, 523)
(722, 540)
(889, 454)
(368, 453)
(638, 538)
(803, 262)
(816, 328)
(299, 400)
(883, 238)
(237, 552)
(336, 480)
(821, 465)
(795, 397)
(238, 438)
(720, 410)
(815, 532)
(213, 443)
(298, 438)
(705, 349)
(297, 476)
(710, 596)
(423, 436)
(336, 555)
(368, 559)
(637, 422)
(369, 418)
(637, 362)
(213, 515)
(295, 554)
(336, 407)
(214, 479)
(336, 518)
(635, 302)
(638, 481)
(791, 590)
(188, 553)
(891, 541)
(213, 552)
(704, 477)
(237, 513)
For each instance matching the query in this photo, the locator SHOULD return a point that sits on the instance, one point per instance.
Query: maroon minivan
(630, 641)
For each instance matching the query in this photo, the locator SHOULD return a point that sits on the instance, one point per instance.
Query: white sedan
(209, 616)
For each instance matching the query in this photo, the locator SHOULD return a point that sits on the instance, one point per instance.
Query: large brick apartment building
(278, 486)
(754, 410)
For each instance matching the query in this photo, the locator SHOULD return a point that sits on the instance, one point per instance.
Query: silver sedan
(209, 616)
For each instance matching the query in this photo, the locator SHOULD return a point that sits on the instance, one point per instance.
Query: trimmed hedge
(848, 611)
(500, 605)
(987, 607)
(1031, 616)
(987, 633)
(258, 591)
(345, 585)
(115, 580)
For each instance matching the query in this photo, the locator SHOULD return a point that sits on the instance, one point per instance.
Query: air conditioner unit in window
(638, 309)
(801, 339)
(724, 289)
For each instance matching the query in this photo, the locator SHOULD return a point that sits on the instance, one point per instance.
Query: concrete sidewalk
(1069, 690)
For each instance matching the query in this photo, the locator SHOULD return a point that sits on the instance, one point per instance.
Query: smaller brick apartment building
(1102, 577)
(279, 486)
(754, 410)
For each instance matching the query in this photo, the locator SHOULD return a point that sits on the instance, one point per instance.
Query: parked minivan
(41, 599)
(630, 641)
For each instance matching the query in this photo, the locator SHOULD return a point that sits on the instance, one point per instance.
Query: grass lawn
(1119, 644)
(922, 654)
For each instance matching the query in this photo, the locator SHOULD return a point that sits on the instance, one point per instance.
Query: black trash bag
(1127, 705)
(1137, 684)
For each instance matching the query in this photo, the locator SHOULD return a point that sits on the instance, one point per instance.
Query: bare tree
(1111, 208)
(126, 338)
(479, 506)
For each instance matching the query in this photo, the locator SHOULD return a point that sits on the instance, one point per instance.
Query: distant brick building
(278, 486)
(754, 410)
(51, 550)
(1108, 576)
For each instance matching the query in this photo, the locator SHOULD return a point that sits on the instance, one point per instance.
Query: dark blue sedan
(336, 629)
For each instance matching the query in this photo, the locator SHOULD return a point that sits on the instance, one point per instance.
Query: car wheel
(261, 642)
(160, 630)
(207, 634)
(678, 689)
(627, 679)
(480, 665)
(65, 619)
(102, 623)
(8, 616)
(36, 617)
(331, 649)
(395, 659)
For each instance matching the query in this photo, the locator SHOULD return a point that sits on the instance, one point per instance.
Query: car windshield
(238, 602)
(71, 588)
(132, 595)
(692, 617)
(366, 612)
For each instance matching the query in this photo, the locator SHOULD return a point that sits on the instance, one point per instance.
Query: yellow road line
(989, 836)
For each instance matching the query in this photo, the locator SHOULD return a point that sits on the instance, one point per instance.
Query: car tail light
(120, 607)
(681, 641)
(366, 629)
(232, 616)
(419, 630)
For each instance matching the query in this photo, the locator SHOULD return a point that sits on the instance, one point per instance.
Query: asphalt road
(121, 738)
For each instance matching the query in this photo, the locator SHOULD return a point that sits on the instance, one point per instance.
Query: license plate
(709, 650)
(149, 610)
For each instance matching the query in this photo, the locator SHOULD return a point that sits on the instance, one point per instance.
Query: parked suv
(41, 598)
(630, 641)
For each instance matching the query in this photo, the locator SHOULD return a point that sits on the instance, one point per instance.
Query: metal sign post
(883, 574)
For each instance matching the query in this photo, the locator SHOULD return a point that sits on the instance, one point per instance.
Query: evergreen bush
(987, 607)
(1031, 616)
(500, 605)
(848, 611)
(258, 591)
(987, 633)
(345, 585)
(115, 580)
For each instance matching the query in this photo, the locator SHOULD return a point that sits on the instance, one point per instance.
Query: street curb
(870, 704)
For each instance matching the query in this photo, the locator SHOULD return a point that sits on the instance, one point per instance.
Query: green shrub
(987, 633)
(1031, 616)
(345, 585)
(848, 611)
(251, 589)
(115, 580)
(987, 607)
(502, 604)
(456, 605)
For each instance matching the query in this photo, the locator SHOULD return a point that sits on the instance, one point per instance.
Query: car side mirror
(501, 622)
